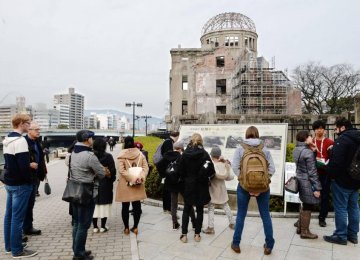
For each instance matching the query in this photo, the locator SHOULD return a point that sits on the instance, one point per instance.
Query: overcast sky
(117, 51)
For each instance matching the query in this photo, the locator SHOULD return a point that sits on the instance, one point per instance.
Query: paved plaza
(157, 240)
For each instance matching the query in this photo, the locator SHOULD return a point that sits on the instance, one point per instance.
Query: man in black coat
(37, 175)
(344, 188)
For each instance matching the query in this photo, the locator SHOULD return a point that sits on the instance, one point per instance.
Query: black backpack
(354, 170)
(172, 172)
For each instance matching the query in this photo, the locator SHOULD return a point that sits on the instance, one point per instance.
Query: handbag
(80, 193)
(133, 173)
(292, 185)
(47, 188)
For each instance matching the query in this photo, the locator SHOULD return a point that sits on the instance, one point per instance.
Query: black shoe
(33, 232)
(88, 252)
(335, 239)
(353, 240)
(322, 223)
(87, 257)
(176, 226)
(25, 239)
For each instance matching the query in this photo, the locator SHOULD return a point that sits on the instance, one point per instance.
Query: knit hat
(178, 145)
(215, 151)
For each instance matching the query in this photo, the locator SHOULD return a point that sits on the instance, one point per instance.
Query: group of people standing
(322, 166)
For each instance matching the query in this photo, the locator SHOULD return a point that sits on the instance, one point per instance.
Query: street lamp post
(146, 118)
(133, 104)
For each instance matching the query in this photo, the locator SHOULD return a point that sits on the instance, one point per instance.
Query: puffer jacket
(306, 173)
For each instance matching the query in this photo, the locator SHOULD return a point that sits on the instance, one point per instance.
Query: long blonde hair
(196, 139)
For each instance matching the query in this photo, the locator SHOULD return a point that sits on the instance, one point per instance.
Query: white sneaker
(105, 229)
(96, 230)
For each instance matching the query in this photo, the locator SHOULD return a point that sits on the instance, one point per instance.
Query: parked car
(61, 152)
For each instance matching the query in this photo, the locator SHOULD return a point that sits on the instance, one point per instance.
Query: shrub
(289, 152)
(153, 181)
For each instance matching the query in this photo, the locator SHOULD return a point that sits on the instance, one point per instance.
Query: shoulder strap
(70, 171)
(128, 162)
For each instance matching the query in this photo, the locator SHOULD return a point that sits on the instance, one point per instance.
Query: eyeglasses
(35, 129)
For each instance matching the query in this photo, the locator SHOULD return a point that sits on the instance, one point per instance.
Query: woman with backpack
(130, 189)
(196, 169)
(252, 145)
(308, 182)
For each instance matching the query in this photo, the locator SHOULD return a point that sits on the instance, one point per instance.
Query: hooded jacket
(341, 156)
(124, 192)
(17, 160)
(196, 186)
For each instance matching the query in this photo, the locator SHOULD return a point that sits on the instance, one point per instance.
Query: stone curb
(157, 203)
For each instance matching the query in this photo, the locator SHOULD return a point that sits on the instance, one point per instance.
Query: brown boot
(298, 226)
(304, 225)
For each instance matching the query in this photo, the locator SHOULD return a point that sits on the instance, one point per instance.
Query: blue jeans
(243, 198)
(16, 205)
(346, 209)
(28, 221)
(82, 216)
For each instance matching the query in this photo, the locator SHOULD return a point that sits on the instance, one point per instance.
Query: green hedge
(153, 184)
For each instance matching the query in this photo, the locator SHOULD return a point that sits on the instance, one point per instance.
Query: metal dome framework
(228, 21)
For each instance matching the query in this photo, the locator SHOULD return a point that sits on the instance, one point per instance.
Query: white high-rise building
(76, 107)
(64, 114)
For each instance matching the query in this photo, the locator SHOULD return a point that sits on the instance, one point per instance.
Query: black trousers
(325, 196)
(198, 219)
(166, 199)
(136, 205)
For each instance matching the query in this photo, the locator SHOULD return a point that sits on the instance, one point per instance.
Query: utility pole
(146, 118)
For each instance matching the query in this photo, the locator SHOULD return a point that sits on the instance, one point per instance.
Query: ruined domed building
(225, 81)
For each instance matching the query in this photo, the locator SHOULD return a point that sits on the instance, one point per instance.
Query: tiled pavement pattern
(156, 240)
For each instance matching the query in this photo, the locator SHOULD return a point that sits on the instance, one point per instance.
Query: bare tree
(323, 87)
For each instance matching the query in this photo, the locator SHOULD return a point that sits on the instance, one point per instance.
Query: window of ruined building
(231, 41)
(236, 41)
(220, 109)
(216, 42)
(220, 86)
(184, 107)
(246, 41)
(220, 61)
(185, 82)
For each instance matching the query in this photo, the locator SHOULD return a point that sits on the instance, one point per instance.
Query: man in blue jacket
(345, 190)
(18, 185)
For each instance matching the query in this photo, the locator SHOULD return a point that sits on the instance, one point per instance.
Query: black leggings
(103, 222)
(136, 205)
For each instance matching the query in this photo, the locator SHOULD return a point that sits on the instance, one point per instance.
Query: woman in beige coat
(128, 191)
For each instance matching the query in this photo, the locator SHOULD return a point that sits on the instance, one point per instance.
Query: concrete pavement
(157, 240)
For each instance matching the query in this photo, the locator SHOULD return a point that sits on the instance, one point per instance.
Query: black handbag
(292, 185)
(80, 193)
(2, 175)
(47, 188)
